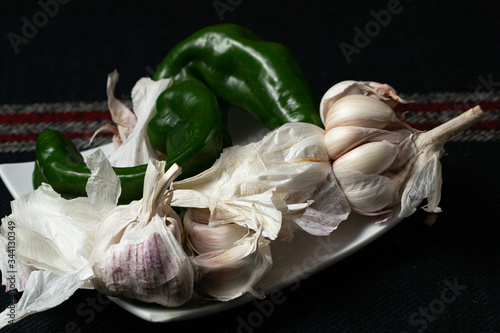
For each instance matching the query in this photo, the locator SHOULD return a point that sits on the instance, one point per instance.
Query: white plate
(304, 256)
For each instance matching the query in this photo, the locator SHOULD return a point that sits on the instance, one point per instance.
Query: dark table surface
(443, 53)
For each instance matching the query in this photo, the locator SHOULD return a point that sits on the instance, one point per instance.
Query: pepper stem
(444, 132)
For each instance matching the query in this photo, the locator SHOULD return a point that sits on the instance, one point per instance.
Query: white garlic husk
(54, 240)
(279, 178)
(130, 138)
(138, 252)
(378, 160)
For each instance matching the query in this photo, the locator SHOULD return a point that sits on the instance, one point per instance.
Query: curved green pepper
(240, 68)
(188, 123)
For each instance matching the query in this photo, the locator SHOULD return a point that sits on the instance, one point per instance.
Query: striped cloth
(21, 124)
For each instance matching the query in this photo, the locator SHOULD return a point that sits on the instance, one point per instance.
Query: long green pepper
(227, 61)
(197, 120)
(240, 68)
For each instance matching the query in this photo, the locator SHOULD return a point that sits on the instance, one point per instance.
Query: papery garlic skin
(138, 252)
(382, 92)
(262, 183)
(54, 240)
(132, 144)
(121, 115)
(137, 148)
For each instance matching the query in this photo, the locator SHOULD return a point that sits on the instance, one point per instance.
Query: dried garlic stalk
(379, 160)
(138, 253)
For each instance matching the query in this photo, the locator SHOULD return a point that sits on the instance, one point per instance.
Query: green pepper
(226, 60)
(241, 69)
(187, 123)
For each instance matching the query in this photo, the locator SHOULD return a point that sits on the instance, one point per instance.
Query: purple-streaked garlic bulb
(138, 253)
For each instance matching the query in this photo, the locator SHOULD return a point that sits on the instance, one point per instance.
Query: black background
(427, 47)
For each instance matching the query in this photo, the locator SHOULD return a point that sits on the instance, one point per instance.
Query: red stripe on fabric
(447, 106)
(55, 117)
(104, 115)
(25, 137)
(486, 125)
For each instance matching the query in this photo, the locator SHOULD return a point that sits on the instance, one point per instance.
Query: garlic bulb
(137, 250)
(229, 260)
(378, 160)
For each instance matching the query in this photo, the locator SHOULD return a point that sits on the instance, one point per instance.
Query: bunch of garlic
(378, 160)
(138, 250)
(228, 259)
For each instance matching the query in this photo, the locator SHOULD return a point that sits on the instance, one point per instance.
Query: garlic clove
(339, 140)
(359, 110)
(383, 92)
(227, 274)
(202, 238)
(369, 158)
(368, 194)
